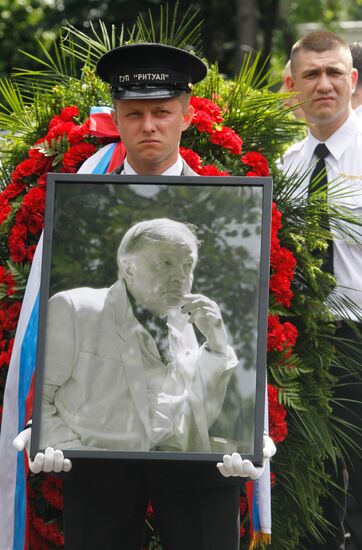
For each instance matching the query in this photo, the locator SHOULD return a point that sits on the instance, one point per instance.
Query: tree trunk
(246, 30)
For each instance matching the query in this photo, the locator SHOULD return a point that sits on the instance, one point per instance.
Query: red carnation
(279, 284)
(14, 188)
(191, 158)
(78, 133)
(258, 162)
(276, 336)
(17, 239)
(211, 170)
(51, 488)
(282, 259)
(5, 208)
(59, 130)
(203, 121)
(77, 154)
(276, 219)
(48, 531)
(278, 427)
(6, 281)
(26, 168)
(208, 107)
(14, 311)
(68, 113)
(228, 139)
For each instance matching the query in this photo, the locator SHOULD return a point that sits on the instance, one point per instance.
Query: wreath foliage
(240, 127)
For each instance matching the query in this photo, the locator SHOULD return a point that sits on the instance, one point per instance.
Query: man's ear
(126, 270)
(289, 82)
(114, 113)
(354, 79)
(188, 114)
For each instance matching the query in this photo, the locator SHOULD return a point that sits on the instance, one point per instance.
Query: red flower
(48, 531)
(211, 170)
(278, 427)
(41, 162)
(14, 188)
(77, 154)
(51, 488)
(208, 107)
(17, 243)
(42, 180)
(6, 281)
(191, 158)
(258, 162)
(203, 121)
(5, 208)
(31, 212)
(276, 336)
(279, 285)
(78, 133)
(68, 113)
(227, 139)
(281, 336)
(26, 168)
(30, 251)
(276, 219)
(282, 259)
(14, 311)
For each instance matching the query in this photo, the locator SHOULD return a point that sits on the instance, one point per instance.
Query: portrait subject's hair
(318, 41)
(158, 229)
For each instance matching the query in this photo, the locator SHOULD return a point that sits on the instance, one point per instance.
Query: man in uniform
(196, 505)
(323, 75)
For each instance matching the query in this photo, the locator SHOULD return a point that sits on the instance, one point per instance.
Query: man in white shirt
(322, 74)
(356, 51)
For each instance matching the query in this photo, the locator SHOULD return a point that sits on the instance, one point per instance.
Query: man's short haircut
(156, 230)
(317, 41)
(356, 51)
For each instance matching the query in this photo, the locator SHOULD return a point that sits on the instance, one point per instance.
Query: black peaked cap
(147, 70)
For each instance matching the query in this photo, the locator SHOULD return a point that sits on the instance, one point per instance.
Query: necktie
(321, 151)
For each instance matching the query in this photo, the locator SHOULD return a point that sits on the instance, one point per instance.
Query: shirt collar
(338, 142)
(174, 170)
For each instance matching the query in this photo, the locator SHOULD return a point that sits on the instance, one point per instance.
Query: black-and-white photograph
(152, 329)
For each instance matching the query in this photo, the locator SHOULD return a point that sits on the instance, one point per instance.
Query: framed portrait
(153, 317)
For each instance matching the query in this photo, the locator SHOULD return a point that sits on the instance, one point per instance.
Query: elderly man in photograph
(196, 504)
(123, 368)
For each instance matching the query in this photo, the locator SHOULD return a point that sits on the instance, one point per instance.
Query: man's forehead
(310, 59)
(172, 244)
(130, 104)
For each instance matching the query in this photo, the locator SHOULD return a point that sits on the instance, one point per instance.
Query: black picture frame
(86, 217)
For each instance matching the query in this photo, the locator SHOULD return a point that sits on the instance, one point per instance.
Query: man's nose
(148, 123)
(324, 82)
(180, 273)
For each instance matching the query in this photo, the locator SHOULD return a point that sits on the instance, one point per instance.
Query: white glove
(233, 465)
(50, 461)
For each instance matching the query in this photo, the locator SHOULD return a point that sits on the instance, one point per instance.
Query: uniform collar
(338, 142)
(174, 170)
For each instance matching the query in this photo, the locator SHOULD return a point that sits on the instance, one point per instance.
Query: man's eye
(164, 263)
